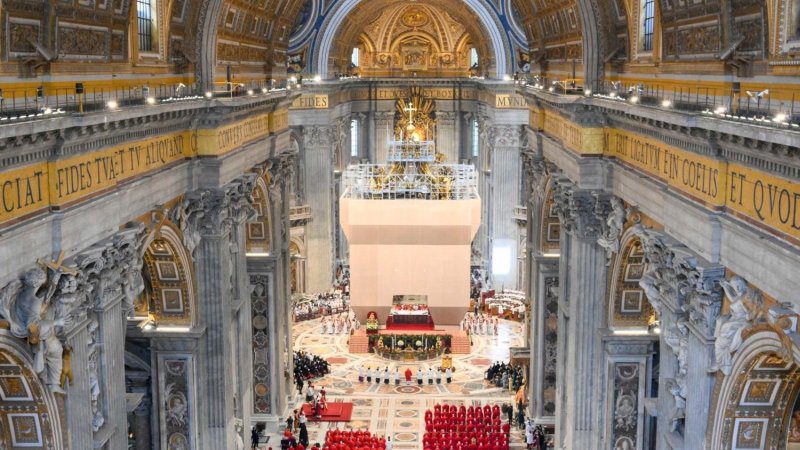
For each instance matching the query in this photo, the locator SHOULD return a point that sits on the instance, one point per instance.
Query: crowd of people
(535, 437)
(431, 375)
(505, 375)
(355, 440)
(327, 303)
(340, 324)
(308, 366)
(448, 427)
(480, 324)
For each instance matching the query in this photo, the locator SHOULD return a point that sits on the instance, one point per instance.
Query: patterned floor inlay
(398, 411)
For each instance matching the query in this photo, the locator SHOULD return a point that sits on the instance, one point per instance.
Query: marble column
(584, 270)
(111, 368)
(213, 274)
(280, 175)
(504, 197)
(384, 133)
(319, 193)
(109, 273)
(78, 399)
(241, 357)
(446, 142)
(684, 290)
(369, 135)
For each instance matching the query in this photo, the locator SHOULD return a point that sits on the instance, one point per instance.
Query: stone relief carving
(261, 354)
(94, 381)
(507, 136)
(579, 210)
(176, 394)
(626, 405)
(318, 136)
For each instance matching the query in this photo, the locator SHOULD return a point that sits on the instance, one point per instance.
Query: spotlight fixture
(249, 92)
(209, 94)
(720, 110)
(263, 90)
(634, 99)
(552, 89)
(779, 118)
(151, 100)
(666, 103)
(613, 95)
(588, 93)
(317, 78)
(112, 104)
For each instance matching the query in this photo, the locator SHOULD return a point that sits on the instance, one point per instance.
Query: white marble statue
(743, 304)
(32, 317)
(612, 231)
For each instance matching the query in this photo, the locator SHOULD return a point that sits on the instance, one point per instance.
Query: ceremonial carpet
(336, 412)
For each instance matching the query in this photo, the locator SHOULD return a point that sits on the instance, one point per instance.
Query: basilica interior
(408, 225)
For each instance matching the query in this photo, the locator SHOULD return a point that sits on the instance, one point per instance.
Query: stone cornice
(28, 142)
(770, 149)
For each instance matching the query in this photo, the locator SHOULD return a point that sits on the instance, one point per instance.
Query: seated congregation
(460, 428)
(354, 440)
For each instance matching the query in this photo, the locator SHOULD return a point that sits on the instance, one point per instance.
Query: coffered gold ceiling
(202, 39)
(427, 38)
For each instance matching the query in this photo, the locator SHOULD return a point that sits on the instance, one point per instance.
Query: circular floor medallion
(407, 389)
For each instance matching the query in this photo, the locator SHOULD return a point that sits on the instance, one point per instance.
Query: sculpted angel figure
(615, 223)
(744, 306)
(32, 317)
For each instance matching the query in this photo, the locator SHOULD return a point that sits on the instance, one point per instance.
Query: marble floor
(398, 411)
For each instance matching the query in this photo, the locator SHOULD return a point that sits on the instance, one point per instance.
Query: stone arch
(754, 404)
(259, 237)
(168, 272)
(29, 413)
(500, 46)
(628, 306)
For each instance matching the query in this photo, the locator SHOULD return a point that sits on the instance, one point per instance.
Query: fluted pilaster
(319, 192)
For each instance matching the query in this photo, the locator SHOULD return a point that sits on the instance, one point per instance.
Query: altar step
(359, 343)
(460, 345)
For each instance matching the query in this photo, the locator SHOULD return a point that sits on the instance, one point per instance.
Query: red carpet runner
(336, 412)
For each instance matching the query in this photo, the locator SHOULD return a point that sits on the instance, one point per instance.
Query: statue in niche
(746, 306)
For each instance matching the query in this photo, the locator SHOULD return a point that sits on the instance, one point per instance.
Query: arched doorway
(29, 415)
